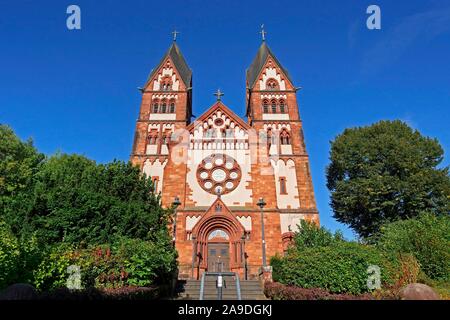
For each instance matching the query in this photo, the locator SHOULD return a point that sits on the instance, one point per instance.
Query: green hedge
(128, 262)
(18, 257)
(339, 268)
(427, 238)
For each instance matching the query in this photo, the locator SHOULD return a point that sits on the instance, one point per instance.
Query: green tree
(19, 161)
(383, 173)
(78, 201)
(313, 236)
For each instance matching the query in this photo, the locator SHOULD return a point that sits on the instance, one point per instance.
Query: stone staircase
(250, 289)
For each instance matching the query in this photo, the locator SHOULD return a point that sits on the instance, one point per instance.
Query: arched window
(266, 106)
(164, 106)
(285, 138)
(274, 106)
(155, 106)
(166, 138)
(166, 84)
(282, 106)
(153, 137)
(172, 107)
(272, 84)
(155, 183)
(283, 189)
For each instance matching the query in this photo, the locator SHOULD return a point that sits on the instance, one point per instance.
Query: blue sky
(75, 91)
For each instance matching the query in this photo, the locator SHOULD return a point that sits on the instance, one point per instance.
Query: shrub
(278, 291)
(340, 268)
(312, 236)
(124, 293)
(18, 257)
(427, 238)
(128, 262)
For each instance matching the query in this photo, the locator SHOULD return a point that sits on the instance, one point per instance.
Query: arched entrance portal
(218, 241)
(218, 251)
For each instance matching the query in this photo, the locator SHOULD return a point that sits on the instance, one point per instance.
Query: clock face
(218, 174)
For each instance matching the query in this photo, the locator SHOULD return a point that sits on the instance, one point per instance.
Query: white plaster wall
(152, 149)
(275, 116)
(155, 169)
(164, 149)
(286, 149)
(271, 73)
(287, 170)
(191, 222)
(290, 219)
(166, 72)
(163, 116)
(270, 96)
(246, 222)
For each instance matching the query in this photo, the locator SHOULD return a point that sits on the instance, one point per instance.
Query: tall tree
(19, 162)
(77, 200)
(383, 173)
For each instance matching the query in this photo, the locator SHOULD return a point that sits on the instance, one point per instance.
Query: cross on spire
(219, 94)
(175, 32)
(263, 33)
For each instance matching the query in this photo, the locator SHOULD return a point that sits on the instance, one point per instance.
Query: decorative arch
(272, 84)
(218, 217)
(166, 83)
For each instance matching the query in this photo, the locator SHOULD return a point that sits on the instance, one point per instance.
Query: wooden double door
(219, 257)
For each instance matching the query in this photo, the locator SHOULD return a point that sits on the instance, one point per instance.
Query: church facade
(218, 168)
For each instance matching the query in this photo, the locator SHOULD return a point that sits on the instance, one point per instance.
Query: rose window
(219, 173)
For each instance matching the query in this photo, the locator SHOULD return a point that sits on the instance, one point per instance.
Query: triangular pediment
(218, 111)
(218, 216)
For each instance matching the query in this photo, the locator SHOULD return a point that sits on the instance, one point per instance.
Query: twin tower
(217, 168)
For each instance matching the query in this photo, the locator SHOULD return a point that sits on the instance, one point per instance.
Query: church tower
(282, 169)
(166, 109)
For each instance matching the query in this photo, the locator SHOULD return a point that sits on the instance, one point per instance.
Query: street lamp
(176, 202)
(261, 204)
(194, 254)
(244, 255)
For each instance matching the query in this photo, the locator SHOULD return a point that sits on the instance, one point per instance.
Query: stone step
(250, 289)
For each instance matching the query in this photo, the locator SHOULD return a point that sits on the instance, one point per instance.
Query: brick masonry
(263, 184)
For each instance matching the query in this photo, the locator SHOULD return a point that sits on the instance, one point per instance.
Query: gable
(218, 116)
(177, 64)
(260, 63)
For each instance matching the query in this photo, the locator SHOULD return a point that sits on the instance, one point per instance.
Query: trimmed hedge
(338, 268)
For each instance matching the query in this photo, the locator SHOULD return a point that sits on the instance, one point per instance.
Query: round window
(218, 173)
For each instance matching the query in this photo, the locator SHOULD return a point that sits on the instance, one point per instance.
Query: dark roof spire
(258, 63)
(174, 53)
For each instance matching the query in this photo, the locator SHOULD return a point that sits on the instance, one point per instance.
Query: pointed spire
(174, 53)
(258, 63)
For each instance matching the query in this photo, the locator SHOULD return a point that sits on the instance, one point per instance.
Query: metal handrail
(223, 274)
(202, 286)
